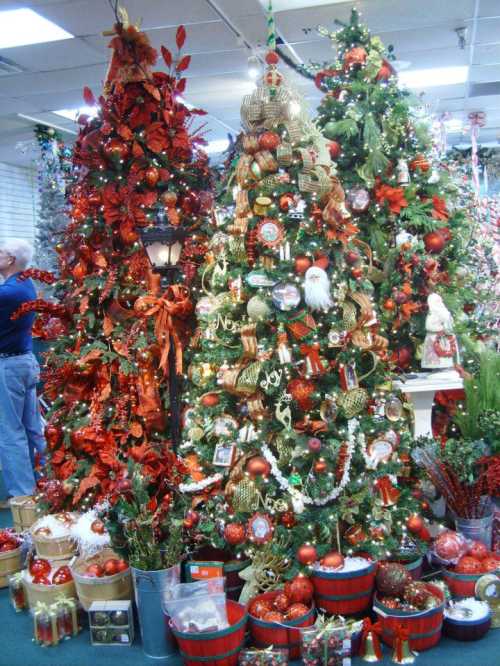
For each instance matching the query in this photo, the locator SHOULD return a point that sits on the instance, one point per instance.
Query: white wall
(18, 193)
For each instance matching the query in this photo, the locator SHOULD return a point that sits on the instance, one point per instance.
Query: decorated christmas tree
(402, 200)
(111, 375)
(295, 443)
(53, 173)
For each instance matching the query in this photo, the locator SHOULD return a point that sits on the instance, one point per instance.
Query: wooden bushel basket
(285, 635)
(344, 593)
(53, 548)
(107, 588)
(215, 648)
(461, 585)
(424, 626)
(48, 594)
(10, 563)
(24, 512)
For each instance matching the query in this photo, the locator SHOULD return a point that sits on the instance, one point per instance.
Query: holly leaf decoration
(180, 36)
(167, 56)
(88, 96)
(183, 63)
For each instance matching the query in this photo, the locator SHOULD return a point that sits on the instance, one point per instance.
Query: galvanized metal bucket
(158, 641)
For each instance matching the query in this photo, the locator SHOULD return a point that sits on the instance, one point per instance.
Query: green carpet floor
(17, 648)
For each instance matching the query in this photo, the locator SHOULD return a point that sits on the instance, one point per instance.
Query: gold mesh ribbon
(239, 226)
(242, 203)
(256, 409)
(284, 154)
(250, 143)
(316, 181)
(266, 161)
(307, 160)
(248, 379)
(243, 170)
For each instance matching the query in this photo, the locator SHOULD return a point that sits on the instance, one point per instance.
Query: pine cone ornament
(392, 579)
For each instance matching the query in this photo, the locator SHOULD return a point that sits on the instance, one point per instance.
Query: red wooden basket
(285, 635)
(344, 593)
(424, 626)
(215, 648)
(461, 585)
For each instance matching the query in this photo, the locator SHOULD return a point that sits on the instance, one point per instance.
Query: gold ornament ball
(257, 309)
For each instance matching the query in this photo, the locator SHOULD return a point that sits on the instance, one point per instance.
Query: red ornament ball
(62, 575)
(334, 148)
(468, 565)
(98, 527)
(392, 578)
(209, 400)
(110, 566)
(273, 616)
(288, 519)
(299, 590)
(389, 304)
(286, 201)
(272, 58)
(478, 550)
(281, 602)
(449, 545)
(258, 466)
(152, 176)
(269, 141)
(122, 565)
(297, 611)
(234, 534)
(301, 264)
(414, 523)
(490, 564)
(351, 257)
(434, 242)
(191, 520)
(259, 607)
(320, 466)
(314, 444)
(333, 560)
(94, 571)
(41, 580)
(402, 357)
(115, 149)
(39, 567)
(307, 554)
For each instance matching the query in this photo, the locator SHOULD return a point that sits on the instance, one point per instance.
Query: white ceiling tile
(487, 30)
(91, 17)
(484, 73)
(53, 55)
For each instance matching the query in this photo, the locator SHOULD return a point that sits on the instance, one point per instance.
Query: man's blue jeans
(20, 422)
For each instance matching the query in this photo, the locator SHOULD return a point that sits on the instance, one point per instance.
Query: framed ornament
(285, 296)
(392, 437)
(348, 377)
(328, 409)
(359, 200)
(336, 338)
(225, 425)
(260, 528)
(379, 451)
(270, 232)
(224, 455)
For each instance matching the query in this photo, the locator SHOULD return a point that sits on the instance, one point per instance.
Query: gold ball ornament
(258, 309)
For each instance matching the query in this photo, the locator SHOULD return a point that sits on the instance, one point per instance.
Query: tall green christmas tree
(295, 444)
(402, 201)
(109, 375)
(53, 175)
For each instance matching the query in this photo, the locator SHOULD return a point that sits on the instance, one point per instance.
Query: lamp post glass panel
(163, 244)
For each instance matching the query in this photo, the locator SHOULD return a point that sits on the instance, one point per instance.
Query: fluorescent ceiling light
(437, 76)
(285, 5)
(20, 27)
(72, 114)
(217, 146)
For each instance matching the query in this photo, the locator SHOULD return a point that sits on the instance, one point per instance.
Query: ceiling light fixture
(20, 27)
(253, 65)
(438, 76)
(72, 114)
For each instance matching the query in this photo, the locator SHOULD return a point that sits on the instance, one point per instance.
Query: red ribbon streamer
(402, 635)
(375, 629)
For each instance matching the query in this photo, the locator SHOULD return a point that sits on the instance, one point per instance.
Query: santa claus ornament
(317, 289)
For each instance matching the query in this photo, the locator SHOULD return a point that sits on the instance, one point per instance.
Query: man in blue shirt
(21, 431)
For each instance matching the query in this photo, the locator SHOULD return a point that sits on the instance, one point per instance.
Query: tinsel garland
(201, 485)
(296, 495)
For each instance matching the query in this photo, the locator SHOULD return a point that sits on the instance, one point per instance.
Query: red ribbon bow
(375, 629)
(402, 635)
(311, 352)
(173, 303)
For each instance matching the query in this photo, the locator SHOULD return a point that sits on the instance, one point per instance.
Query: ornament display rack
(421, 388)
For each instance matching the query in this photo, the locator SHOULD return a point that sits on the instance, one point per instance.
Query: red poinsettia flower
(124, 205)
(439, 211)
(394, 196)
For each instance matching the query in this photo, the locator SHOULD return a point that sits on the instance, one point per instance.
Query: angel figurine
(440, 344)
